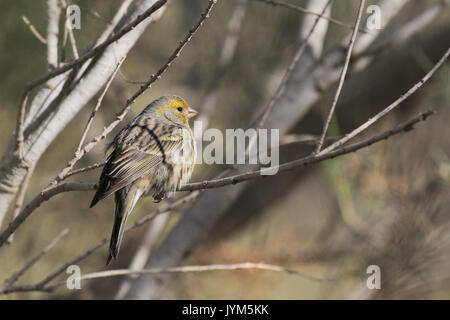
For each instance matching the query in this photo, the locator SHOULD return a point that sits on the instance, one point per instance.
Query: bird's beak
(191, 113)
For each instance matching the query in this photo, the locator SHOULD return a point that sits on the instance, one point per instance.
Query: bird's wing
(135, 155)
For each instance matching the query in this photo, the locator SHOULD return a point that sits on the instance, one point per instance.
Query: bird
(154, 155)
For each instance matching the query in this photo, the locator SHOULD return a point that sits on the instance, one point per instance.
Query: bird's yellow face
(178, 111)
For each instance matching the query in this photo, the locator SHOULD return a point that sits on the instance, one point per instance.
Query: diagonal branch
(11, 280)
(306, 11)
(291, 67)
(302, 162)
(78, 153)
(34, 30)
(388, 109)
(342, 77)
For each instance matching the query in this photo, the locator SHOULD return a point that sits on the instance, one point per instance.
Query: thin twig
(38, 200)
(20, 124)
(20, 197)
(78, 153)
(291, 67)
(199, 268)
(85, 169)
(34, 30)
(16, 275)
(227, 53)
(342, 77)
(306, 11)
(68, 29)
(97, 106)
(388, 109)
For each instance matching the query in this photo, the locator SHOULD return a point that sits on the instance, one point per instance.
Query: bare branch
(181, 269)
(20, 197)
(291, 67)
(34, 30)
(20, 124)
(38, 200)
(307, 160)
(54, 12)
(85, 169)
(69, 31)
(226, 56)
(78, 153)
(11, 280)
(388, 109)
(189, 269)
(400, 35)
(306, 11)
(342, 77)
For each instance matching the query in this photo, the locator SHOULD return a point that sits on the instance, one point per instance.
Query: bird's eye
(180, 109)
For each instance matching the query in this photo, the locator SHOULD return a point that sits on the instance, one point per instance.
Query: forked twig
(342, 77)
(388, 109)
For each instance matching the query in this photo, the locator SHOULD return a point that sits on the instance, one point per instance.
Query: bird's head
(174, 109)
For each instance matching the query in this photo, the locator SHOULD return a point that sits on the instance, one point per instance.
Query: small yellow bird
(154, 154)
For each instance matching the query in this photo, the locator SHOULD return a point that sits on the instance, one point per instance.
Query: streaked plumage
(154, 154)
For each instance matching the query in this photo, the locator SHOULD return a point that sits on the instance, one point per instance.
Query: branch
(181, 269)
(226, 56)
(78, 153)
(342, 77)
(388, 109)
(306, 11)
(11, 280)
(200, 268)
(21, 197)
(291, 67)
(302, 162)
(34, 30)
(38, 200)
(54, 11)
(68, 30)
(85, 169)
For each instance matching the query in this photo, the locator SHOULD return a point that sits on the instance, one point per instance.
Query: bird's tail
(125, 202)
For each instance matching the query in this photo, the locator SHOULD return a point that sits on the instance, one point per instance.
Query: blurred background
(386, 205)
